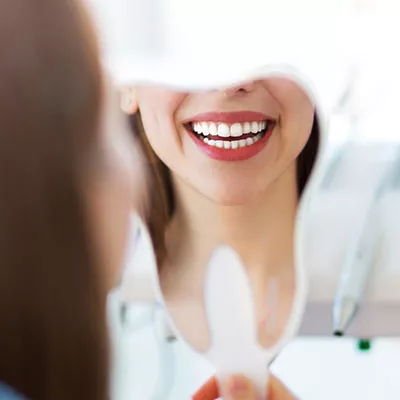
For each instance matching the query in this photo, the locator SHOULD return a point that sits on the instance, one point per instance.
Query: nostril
(242, 89)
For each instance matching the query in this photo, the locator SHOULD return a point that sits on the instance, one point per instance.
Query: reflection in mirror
(228, 166)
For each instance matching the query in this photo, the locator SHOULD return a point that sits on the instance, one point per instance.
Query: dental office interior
(343, 337)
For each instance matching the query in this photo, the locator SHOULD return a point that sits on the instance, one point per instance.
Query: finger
(240, 388)
(278, 391)
(209, 391)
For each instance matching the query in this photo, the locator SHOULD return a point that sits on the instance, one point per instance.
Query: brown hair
(52, 322)
(161, 202)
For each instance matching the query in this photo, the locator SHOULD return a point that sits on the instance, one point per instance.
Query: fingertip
(209, 391)
(240, 387)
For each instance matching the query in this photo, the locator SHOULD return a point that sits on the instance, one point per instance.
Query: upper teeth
(226, 130)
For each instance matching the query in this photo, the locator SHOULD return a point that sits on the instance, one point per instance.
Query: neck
(261, 231)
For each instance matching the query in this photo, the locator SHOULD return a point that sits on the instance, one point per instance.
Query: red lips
(240, 153)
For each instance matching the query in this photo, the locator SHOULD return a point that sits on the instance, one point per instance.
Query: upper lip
(230, 117)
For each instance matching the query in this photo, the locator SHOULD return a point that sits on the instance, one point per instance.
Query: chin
(236, 196)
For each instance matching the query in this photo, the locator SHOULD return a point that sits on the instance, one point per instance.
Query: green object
(364, 345)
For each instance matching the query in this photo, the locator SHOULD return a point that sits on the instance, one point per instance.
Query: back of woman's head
(52, 342)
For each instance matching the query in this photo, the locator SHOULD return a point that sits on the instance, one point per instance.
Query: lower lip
(239, 154)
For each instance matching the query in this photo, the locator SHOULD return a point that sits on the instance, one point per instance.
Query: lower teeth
(234, 144)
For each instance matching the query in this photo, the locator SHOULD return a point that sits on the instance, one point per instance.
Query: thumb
(240, 388)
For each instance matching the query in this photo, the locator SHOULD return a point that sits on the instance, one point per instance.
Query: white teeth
(224, 130)
(213, 129)
(236, 130)
(249, 141)
(254, 127)
(204, 128)
(246, 127)
(234, 144)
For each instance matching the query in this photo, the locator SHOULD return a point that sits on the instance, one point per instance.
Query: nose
(243, 88)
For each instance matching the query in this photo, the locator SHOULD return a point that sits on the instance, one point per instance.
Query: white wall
(332, 369)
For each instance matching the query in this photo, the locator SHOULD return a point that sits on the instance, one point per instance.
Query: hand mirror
(230, 152)
(229, 167)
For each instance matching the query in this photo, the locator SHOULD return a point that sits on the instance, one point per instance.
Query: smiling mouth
(231, 136)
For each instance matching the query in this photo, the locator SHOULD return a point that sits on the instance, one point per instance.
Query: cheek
(297, 125)
(163, 136)
(159, 111)
(297, 113)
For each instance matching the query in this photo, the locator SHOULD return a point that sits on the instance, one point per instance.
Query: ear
(129, 102)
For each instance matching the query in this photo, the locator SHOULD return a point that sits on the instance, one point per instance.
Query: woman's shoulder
(7, 393)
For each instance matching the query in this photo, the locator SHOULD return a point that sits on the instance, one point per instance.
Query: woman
(229, 167)
(206, 196)
(67, 188)
(67, 184)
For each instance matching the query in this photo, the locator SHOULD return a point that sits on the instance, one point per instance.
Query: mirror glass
(227, 166)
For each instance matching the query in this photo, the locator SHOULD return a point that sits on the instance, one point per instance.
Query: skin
(250, 205)
(240, 388)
